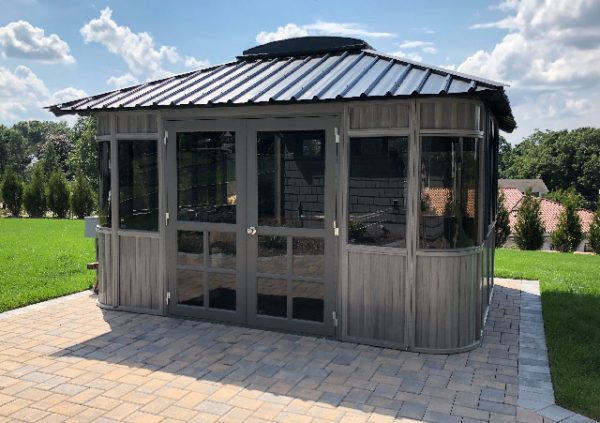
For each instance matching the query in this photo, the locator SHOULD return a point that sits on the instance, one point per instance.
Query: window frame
(480, 138)
(137, 138)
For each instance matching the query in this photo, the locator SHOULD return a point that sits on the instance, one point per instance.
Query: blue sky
(548, 50)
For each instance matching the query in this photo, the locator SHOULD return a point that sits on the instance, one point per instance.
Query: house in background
(538, 187)
(550, 211)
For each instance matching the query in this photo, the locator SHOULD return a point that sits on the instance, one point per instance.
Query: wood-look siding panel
(139, 272)
(104, 268)
(447, 301)
(379, 116)
(376, 296)
(136, 124)
(103, 125)
(450, 115)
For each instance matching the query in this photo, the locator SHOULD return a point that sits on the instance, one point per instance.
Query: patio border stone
(536, 392)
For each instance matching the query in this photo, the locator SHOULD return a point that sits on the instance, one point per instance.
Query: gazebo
(311, 185)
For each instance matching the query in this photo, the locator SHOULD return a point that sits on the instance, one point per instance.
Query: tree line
(567, 161)
(49, 167)
(529, 229)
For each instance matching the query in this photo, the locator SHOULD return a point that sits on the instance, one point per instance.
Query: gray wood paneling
(379, 116)
(103, 124)
(455, 114)
(447, 301)
(376, 297)
(139, 272)
(136, 124)
(104, 268)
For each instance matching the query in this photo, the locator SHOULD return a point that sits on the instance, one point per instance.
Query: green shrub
(568, 233)
(502, 222)
(529, 229)
(58, 195)
(82, 197)
(594, 235)
(34, 196)
(12, 191)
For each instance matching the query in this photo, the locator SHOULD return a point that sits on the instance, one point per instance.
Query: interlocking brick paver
(69, 360)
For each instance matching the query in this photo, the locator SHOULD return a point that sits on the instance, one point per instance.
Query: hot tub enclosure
(311, 185)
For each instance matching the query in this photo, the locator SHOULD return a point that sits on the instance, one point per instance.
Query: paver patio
(69, 360)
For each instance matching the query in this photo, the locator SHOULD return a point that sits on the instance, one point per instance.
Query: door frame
(326, 124)
(173, 224)
(245, 157)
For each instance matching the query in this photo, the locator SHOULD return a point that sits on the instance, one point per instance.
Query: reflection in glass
(291, 178)
(138, 185)
(190, 287)
(378, 188)
(104, 212)
(206, 184)
(309, 257)
(272, 254)
(271, 297)
(308, 301)
(222, 293)
(190, 248)
(449, 184)
(221, 250)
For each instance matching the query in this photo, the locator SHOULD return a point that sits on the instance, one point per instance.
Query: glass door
(290, 224)
(205, 241)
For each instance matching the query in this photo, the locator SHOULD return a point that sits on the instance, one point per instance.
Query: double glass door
(251, 229)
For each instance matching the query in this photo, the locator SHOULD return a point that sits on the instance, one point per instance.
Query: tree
(568, 234)
(529, 229)
(12, 191)
(563, 196)
(502, 222)
(34, 196)
(594, 235)
(84, 154)
(53, 153)
(504, 157)
(58, 195)
(14, 152)
(82, 197)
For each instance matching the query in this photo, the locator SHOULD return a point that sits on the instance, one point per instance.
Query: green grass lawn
(42, 259)
(570, 285)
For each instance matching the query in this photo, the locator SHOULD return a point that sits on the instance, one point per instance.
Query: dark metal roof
(263, 76)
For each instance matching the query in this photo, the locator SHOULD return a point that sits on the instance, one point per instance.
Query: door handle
(251, 230)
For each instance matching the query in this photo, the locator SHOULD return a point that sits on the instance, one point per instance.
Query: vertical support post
(412, 224)
(114, 207)
(162, 209)
(342, 222)
(278, 184)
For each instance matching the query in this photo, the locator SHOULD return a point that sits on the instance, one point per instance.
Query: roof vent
(304, 46)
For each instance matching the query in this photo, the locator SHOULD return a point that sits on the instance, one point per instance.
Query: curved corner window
(449, 185)
(378, 187)
(138, 185)
(104, 214)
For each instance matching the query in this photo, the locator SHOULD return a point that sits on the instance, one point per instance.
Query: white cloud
(22, 40)
(67, 94)
(193, 63)
(425, 46)
(138, 50)
(424, 29)
(292, 30)
(415, 44)
(408, 55)
(551, 58)
(122, 80)
(23, 95)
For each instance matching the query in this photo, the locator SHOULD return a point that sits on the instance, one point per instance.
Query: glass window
(104, 213)
(138, 185)
(449, 184)
(291, 178)
(378, 187)
(206, 185)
